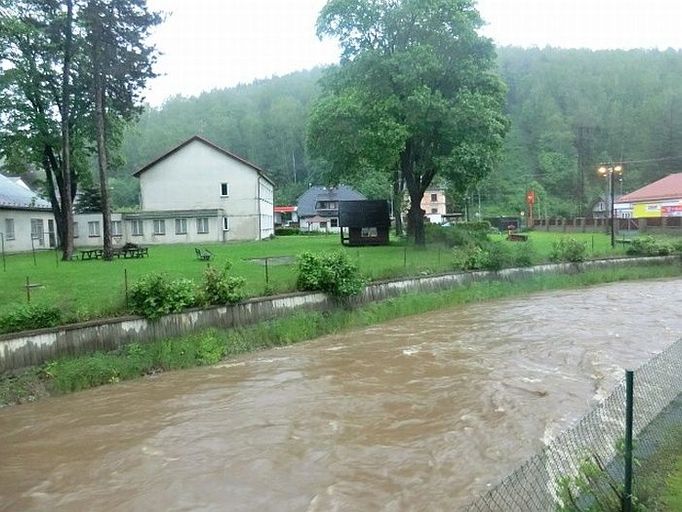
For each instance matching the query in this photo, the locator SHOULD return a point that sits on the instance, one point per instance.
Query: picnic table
(131, 251)
(88, 254)
(127, 251)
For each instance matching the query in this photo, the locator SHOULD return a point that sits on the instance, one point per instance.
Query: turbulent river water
(420, 413)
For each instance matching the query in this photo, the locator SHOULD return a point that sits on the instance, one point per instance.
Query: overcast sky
(208, 44)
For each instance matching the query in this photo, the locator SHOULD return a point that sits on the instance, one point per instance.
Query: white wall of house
(328, 225)
(199, 177)
(23, 229)
(156, 228)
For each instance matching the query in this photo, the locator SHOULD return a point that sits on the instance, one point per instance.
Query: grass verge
(673, 493)
(210, 346)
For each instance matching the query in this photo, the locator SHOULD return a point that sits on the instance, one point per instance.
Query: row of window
(37, 229)
(158, 228)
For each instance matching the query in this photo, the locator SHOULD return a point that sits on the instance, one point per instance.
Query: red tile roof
(285, 209)
(669, 187)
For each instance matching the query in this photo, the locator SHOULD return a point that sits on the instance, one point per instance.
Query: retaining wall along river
(36, 347)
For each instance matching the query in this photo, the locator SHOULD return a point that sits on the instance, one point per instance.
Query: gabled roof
(210, 144)
(14, 196)
(309, 198)
(669, 187)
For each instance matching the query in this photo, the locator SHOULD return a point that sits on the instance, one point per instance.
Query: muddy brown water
(420, 413)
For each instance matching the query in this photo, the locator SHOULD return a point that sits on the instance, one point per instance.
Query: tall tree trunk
(415, 188)
(103, 163)
(416, 217)
(398, 202)
(66, 197)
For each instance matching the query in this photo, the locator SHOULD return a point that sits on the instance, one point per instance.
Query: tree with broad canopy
(415, 96)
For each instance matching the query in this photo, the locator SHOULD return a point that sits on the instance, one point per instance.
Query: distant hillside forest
(569, 111)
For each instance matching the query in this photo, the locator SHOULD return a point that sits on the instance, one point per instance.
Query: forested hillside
(569, 110)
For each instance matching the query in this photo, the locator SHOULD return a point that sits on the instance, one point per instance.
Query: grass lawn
(672, 496)
(95, 288)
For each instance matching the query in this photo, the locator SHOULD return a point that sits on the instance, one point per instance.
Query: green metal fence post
(125, 284)
(627, 498)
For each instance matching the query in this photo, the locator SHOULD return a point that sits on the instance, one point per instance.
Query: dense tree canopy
(569, 111)
(71, 72)
(415, 93)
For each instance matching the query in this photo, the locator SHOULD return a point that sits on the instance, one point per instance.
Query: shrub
(525, 254)
(568, 249)
(286, 231)
(332, 273)
(156, 295)
(499, 256)
(649, 246)
(30, 316)
(460, 235)
(219, 287)
(471, 257)
(493, 256)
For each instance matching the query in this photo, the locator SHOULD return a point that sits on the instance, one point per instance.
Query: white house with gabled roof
(197, 193)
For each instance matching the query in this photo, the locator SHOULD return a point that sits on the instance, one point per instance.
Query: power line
(651, 160)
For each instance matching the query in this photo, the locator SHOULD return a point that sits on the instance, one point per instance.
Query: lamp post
(608, 171)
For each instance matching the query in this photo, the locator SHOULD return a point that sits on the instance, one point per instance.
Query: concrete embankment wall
(35, 347)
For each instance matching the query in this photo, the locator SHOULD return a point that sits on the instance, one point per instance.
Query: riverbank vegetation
(208, 347)
(84, 290)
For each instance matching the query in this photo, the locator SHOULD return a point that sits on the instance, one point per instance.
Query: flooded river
(420, 413)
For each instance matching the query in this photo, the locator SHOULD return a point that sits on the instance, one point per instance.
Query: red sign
(530, 197)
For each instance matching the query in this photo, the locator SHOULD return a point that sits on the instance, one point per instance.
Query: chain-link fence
(582, 469)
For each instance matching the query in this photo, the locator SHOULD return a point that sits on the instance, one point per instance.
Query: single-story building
(286, 216)
(364, 222)
(662, 198)
(26, 220)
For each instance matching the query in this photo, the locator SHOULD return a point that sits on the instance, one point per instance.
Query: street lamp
(608, 171)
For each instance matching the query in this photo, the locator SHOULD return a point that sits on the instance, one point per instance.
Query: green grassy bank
(208, 347)
(673, 493)
(89, 289)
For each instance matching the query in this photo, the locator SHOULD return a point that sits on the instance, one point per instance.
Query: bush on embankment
(208, 347)
(30, 316)
(158, 294)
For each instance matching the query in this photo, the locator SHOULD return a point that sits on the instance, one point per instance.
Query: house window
(9, 229)
(116, 228)
(434, 198)
(202, 225)
(434, 210)
(323, 225)
(224, 189)
(159, 227)
(38, 231)
(226, 224)
(136, 227)
(180, 226)
(93, 228)
(334, 223)
(75, 229)
(369, 233)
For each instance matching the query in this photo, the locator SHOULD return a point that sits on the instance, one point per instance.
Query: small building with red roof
(662, 198)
